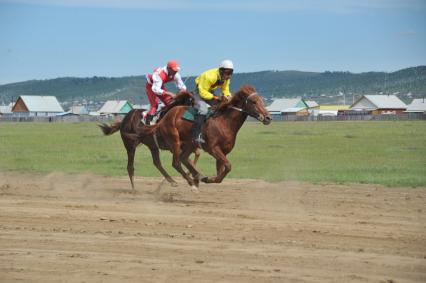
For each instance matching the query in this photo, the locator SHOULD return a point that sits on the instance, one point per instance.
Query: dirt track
(84, 228)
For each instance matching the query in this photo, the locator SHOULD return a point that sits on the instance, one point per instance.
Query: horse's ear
(247, 89)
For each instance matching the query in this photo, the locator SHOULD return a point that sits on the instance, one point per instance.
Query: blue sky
(42, 39)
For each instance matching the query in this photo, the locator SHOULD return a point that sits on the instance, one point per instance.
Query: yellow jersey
(211, 80)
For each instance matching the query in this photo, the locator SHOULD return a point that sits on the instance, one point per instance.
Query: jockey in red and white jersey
(155, 86)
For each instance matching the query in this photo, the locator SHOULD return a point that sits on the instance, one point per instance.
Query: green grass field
(392, 153)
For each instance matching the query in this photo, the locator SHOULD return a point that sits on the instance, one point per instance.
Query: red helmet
(174, 65)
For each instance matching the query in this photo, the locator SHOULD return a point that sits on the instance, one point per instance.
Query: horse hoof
(204, 179)
(200, 177)
(194, 189)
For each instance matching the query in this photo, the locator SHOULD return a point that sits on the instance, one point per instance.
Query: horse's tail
(110, 129)
(139, 135)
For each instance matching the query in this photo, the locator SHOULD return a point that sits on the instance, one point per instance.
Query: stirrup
(199, 139)
(152, 122)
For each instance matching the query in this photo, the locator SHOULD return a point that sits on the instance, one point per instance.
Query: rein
(245, 103)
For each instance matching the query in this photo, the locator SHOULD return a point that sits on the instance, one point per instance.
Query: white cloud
(407, 33)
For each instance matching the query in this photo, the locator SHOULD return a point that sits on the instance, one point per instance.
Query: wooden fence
(363, 117)
(56, 119)
(351, 117)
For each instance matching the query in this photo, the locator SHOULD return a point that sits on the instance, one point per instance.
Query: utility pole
(386, 76)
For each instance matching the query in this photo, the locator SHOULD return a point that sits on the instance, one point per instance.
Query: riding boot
(148, 119)
(197, 127)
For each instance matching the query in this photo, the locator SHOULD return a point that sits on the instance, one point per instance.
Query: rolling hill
(314, 85)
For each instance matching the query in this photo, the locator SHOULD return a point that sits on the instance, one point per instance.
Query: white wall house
(36, 106)
(379, 104)
(417, 106)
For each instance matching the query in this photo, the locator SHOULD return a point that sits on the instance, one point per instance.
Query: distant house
(36, 106)
(286, 105)
(417, 106)
(379, 104)
(6, 109)
(295, 111)
(329, 110)
(79, 110)
(115, 107)
(312, 104)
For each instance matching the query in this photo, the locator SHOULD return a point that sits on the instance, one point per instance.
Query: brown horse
(131, 123)
(174, 133)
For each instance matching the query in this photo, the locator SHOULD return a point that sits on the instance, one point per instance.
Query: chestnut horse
(131, 123)
(220, 131)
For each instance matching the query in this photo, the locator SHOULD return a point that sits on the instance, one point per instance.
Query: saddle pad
(191, 112)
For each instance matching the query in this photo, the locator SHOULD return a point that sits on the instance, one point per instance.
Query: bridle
(245, 103)
(256, 116)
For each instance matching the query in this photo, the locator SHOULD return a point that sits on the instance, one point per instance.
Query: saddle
(190, 113)
(183, 98)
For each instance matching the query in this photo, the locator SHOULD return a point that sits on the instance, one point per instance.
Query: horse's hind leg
(184, 157)
(197, 154)
(155, 153)
(130, 148)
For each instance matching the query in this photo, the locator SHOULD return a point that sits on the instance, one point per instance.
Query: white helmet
(226, 64)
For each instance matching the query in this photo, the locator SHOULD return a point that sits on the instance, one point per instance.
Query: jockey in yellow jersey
(206, 84)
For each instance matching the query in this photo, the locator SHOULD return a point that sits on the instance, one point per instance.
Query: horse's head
(250, 102)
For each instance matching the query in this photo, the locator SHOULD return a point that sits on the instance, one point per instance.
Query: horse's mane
(242, 93)
(182, 98)
(237, 97)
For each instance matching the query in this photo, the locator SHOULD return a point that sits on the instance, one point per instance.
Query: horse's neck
(235, 119)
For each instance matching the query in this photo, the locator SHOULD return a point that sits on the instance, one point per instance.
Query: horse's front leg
(175, 149)
(197, 176)
(219, 167)
(223, 166)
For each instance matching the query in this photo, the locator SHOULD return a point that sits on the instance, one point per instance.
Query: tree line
(268, 83)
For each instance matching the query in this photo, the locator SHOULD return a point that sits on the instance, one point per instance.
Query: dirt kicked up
(86, 228)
